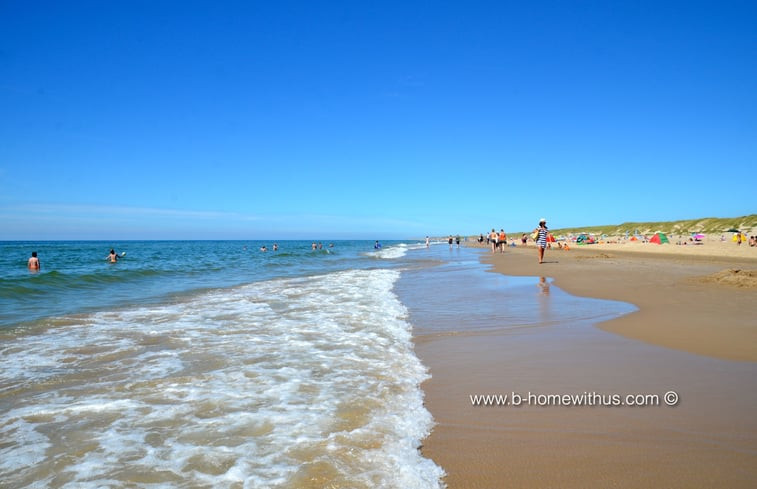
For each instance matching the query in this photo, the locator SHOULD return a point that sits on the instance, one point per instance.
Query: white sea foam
(394, 252)
(271, 385)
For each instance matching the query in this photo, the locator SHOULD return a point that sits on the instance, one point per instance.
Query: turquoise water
(75, 277)
(210, 364)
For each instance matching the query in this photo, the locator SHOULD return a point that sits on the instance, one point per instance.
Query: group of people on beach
(740, 237)
(449, 240)
(498, 240)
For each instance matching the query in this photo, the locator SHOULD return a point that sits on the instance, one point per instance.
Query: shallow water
(460, 296)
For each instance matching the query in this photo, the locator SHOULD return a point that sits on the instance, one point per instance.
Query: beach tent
(659, 238)
(584, 239)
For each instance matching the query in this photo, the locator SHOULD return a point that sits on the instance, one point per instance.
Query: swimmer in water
(33, 263)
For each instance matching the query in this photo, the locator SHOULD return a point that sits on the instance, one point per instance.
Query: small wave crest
(394, 252)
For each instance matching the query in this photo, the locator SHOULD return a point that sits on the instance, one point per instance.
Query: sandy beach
(699, 299)
(694, 333)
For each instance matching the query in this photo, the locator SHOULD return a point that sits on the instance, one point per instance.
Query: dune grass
(705, 225)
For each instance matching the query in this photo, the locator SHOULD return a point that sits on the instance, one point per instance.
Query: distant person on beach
(457, 240)
(275, 247)
(524, 239)
(502, 240)
(264, 248)
(377, 246)
(541, 239)
(33, 263)
(428, 242)
(493, 240)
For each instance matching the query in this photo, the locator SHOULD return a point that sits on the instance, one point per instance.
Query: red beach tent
(659, 238)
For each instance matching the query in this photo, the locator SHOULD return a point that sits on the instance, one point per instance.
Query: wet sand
(692, 334)
(694, 303)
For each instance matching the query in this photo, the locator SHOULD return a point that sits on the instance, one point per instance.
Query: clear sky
(371, 119)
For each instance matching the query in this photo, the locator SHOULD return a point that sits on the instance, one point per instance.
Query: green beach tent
(659, 238)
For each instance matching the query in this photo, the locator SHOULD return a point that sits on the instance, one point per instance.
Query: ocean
(213, 364)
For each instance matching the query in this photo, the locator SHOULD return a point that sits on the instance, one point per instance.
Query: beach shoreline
(682, 299)
(693, 331)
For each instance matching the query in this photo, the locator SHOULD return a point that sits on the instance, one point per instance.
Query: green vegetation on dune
(711, 225)
(705, 225)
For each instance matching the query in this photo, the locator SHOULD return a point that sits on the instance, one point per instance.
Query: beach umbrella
(699, 236)
(732, 230)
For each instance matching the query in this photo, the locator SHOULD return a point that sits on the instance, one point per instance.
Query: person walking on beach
(493, 240)
(502, 240)
(541, 238)
(33, 263)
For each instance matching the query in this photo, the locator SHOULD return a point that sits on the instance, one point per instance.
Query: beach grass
(706, 225)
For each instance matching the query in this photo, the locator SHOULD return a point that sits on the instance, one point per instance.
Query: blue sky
(358, 119)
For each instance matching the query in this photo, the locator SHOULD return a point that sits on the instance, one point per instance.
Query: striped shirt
(542, 239)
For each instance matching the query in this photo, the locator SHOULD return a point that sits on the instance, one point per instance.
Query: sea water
(209, 364)
(214, 364)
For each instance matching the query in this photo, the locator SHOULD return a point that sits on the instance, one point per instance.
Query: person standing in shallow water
(541, 239)
(33, 263)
